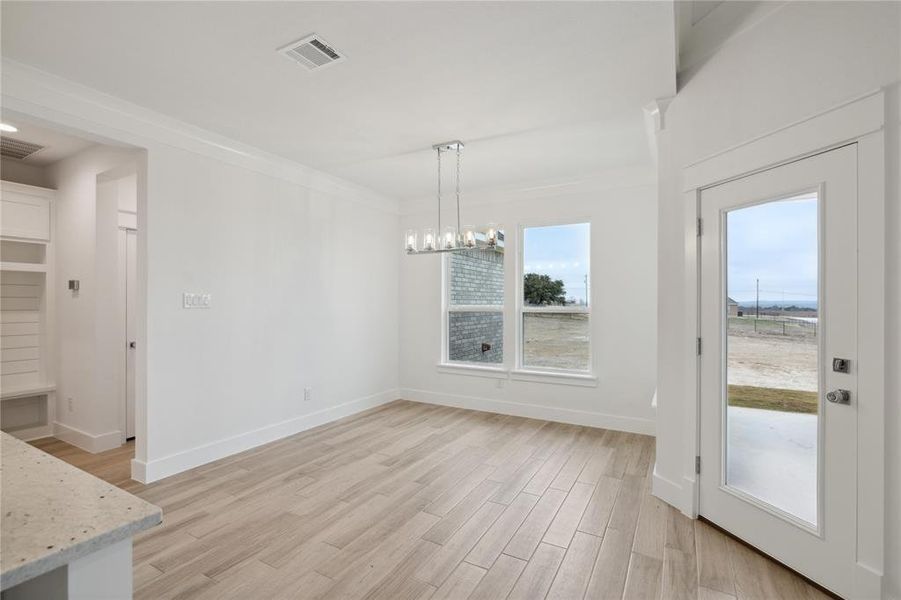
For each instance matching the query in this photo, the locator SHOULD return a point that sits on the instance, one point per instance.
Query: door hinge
(697, 465)
(699, 346)
(700, 227)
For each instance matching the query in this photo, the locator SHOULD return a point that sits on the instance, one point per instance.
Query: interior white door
(130, 309)
(778, 304)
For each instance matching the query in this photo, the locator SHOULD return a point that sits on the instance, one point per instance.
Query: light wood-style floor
(413, 501)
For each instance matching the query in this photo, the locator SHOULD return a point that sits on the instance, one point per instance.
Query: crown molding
(98, 116)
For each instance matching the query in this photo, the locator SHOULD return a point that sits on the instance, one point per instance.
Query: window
(554, 311)
(475, 305)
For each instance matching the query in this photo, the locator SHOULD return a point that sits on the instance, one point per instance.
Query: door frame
(860, 121)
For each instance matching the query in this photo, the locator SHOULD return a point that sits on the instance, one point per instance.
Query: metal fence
(773, 325)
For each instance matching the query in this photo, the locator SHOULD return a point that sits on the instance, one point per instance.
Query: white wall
(86, 370)
(303, 291)
(623, 319)
(802, 59)
(302, 268)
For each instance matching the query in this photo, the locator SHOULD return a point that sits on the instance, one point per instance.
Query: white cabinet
(25, 212)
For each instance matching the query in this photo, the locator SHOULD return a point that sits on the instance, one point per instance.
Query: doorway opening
(70, 256)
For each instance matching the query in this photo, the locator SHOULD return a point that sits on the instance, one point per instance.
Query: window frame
(536, 373)
(447, 308)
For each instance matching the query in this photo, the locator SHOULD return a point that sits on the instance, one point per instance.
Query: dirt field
(557, 341)
(766, 370)
(773, 361)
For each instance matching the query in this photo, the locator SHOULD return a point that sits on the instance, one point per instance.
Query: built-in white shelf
(23, 267)
(25, 392)
(27, 396)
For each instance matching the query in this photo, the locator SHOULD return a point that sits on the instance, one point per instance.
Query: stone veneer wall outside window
(476, 279)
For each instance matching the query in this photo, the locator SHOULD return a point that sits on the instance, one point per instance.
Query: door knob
(132, 345)
(839, 397)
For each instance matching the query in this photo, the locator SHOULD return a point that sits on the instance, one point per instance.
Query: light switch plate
(190, 300)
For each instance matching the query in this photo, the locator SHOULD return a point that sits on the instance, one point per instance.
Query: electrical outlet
(307, 394)
(69, 403)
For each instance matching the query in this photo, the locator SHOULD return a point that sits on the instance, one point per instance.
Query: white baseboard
(533, 411)
(139, 470)
(681, 496)
(87, 441)
(667, 490)
(868, 582)
(154, 470)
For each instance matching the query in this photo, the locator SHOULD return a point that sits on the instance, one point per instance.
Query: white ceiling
(57, 145)
(539, 91)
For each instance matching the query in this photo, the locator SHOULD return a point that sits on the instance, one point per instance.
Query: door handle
(132, 345)
(839, 397)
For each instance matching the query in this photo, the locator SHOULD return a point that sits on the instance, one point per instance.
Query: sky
(777, 243)
(561, 251)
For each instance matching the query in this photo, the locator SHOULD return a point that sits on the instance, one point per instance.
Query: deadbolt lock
(841, 365)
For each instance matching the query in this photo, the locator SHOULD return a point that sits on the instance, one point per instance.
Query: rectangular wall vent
(312, 52)
(10, 148)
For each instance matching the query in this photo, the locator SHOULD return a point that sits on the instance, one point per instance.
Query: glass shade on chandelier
(411, 239)
(449, 238)
(472, 238)
(468, 236)
(491, 235)
(428, 240)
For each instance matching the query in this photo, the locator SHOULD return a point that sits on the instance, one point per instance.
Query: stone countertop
(52, 513)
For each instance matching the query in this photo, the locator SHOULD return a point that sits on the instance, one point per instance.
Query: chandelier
(451, 238)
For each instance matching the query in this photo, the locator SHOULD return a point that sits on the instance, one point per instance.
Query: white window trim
(474, 308)
(557, 376)
(472, 369)
(523, 372)
(562, 310)
(493, 370)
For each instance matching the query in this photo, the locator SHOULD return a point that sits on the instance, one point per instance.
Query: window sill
(472, 370)
(558, 378)
(579, 379)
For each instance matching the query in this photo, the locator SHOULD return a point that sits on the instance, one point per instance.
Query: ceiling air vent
(312, 52)
(10, 148)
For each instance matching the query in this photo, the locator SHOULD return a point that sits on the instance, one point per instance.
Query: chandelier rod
(438, 231)
(459, 230)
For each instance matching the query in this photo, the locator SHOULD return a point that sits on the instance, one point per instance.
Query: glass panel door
(778, 367)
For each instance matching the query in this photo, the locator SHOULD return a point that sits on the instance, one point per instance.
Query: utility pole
(586, 289)
(758, 298)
